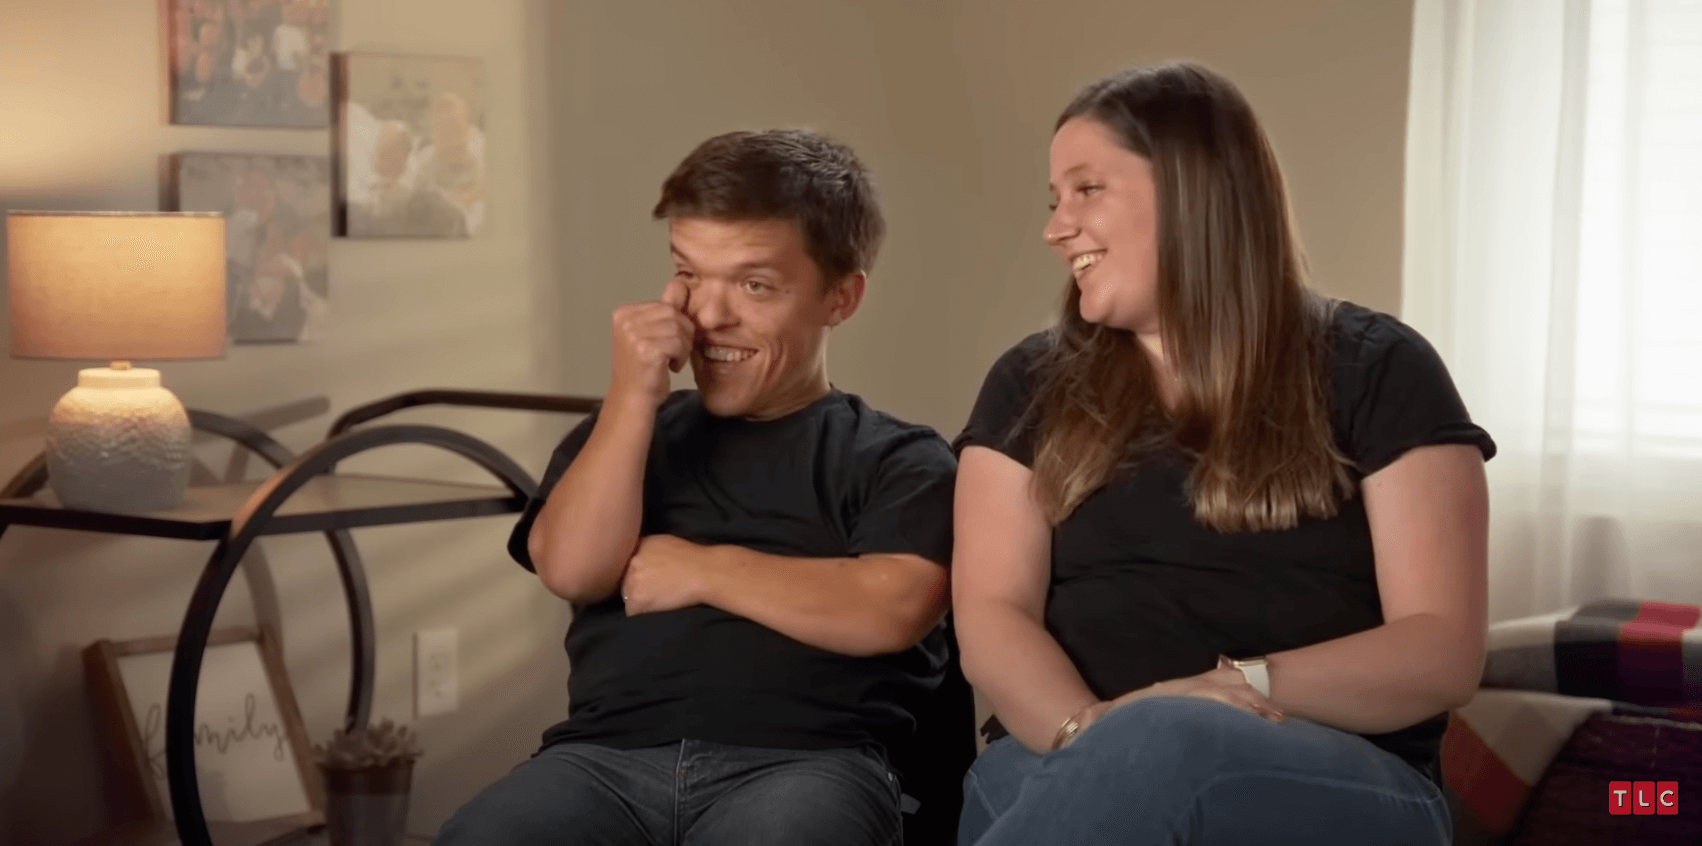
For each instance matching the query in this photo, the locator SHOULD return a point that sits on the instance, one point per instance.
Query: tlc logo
(1642, 797)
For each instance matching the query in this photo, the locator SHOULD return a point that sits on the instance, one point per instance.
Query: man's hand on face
(665, 573)
(650, 340)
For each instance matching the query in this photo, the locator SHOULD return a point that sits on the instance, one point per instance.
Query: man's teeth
(1085, 260)
(729, 354)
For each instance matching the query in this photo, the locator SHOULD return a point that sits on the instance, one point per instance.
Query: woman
(1206, 463)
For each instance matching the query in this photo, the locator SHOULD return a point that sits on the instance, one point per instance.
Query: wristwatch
(1255, 670)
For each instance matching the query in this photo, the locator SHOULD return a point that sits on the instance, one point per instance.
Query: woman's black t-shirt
(1141, 593)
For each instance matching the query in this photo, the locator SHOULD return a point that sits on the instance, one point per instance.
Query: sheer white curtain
(1554, 257)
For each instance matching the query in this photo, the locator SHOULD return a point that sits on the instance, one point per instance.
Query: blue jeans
(1189, 770)
(689, 793)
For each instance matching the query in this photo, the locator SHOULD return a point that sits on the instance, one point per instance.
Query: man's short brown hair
(784, 174)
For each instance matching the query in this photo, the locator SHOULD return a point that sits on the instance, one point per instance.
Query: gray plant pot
(367, 807)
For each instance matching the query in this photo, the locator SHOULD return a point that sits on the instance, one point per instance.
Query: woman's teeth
(1086, 260)
(727, 354)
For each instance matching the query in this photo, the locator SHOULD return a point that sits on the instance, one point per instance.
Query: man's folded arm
(584, 530)
(885, 596)
(869, 605)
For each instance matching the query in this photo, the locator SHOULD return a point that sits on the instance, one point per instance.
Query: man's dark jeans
(689, 793)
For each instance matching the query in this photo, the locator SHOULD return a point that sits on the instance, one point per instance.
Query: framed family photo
(253, 757)
(251, 62)
(277, 238)
(411, 146)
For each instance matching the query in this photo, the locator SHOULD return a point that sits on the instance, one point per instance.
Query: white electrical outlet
(435, 679)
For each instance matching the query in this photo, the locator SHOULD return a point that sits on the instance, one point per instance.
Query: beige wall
(951, 103)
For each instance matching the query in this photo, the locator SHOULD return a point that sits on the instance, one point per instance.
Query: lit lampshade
(117, 286)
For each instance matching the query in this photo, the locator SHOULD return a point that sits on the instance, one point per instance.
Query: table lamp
(117, 286)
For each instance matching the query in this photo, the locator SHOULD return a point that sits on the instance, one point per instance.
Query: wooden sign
(252, 754)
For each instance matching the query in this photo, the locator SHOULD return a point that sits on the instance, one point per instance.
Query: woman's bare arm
(1001, 564)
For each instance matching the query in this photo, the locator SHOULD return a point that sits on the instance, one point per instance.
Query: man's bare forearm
(873, 605)
(588, 527)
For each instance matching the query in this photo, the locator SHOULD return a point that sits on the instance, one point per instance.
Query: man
(757, 567)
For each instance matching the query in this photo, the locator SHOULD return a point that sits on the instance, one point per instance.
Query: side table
(304, 495)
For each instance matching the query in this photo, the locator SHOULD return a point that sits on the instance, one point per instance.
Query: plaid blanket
(1544, 677)
(1643, 653)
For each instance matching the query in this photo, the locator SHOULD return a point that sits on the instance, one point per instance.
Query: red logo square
(1642, 797)
(1666, 797)
(1619, 797)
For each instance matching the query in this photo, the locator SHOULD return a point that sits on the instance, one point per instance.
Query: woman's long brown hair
(1246, 338)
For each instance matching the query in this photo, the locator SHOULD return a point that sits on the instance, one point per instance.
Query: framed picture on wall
(251, 62)
(253, 757)
(277, 237)
(410, 146)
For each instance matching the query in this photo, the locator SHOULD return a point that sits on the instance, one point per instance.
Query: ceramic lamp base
(118, 442)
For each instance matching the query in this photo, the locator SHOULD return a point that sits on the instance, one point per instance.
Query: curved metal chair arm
(245, 529)
(244, 433)
(474, 399)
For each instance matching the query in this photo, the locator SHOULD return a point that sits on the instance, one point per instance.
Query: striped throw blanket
(1543, 678)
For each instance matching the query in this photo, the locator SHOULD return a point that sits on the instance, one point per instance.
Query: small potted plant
(367, 774)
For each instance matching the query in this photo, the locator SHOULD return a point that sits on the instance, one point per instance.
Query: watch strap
(1256, 671)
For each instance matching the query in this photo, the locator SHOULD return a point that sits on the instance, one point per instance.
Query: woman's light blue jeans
(1187, 770)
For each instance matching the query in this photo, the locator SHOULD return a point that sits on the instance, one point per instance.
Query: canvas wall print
(411, 146)
(251, 62)
(277, 237)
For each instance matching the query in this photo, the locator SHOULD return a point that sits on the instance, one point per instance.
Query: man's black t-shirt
(1140, 593)
(835, 479)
